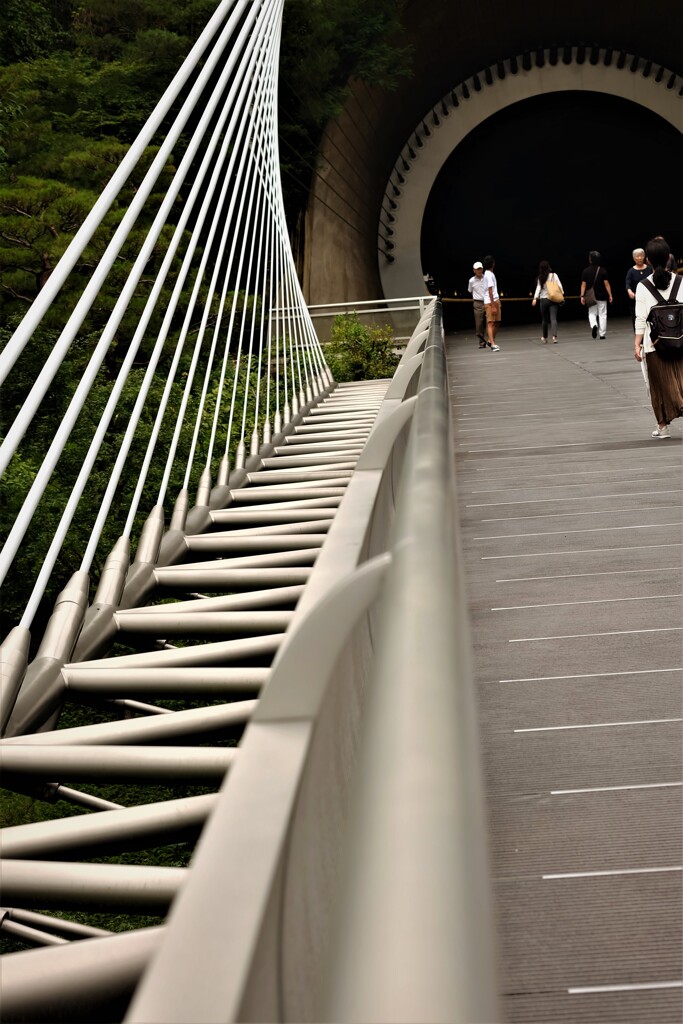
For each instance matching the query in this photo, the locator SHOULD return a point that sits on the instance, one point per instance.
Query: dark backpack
(666, 321)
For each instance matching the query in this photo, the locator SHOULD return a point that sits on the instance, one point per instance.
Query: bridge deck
(571, 521)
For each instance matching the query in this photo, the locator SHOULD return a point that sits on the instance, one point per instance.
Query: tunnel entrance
(552, 177)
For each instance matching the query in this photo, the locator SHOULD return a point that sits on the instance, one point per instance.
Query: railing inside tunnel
(207, 354)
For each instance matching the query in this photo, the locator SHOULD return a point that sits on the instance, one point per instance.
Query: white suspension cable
(281, 337)
(77, 402)
(56, 357)
(42, 302)
(271, 278)
(268, 283)
(262, 327)
(255, 265)
(246, 97)
(258, 123)
(261, 216)
(188, 208)
(246, 174)
(238, 355)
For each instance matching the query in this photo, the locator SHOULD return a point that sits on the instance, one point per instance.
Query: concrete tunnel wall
(363, 149)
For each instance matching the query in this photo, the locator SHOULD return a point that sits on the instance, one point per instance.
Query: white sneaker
(495, 348)
(661, 432)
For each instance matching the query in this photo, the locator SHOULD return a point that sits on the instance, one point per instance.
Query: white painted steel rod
(42, 303)
(197, 190)
(144, 823)
(45, 884)
(84, 977)
(42, 477)
(54, 360)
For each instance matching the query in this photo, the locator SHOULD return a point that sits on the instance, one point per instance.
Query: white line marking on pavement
(544, 477)
(644, 986)
(573, 472)
(594, 675)
(578, 575)
(569, 604)
(600, 725)
(614, 789)
(581, 636)
(529, 447)
(581, 551)
(587, 497)
(571, 515)
(593, 529)
(608, 874)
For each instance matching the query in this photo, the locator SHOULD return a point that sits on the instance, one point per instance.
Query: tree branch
(16, 240)
(16, 295)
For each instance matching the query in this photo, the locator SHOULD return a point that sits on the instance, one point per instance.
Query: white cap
(477, 266)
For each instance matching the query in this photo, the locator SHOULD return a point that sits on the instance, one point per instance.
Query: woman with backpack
(663, 357)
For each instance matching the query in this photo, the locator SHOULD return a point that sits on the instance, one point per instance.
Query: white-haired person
(665, 376)
(477, 289)
(634, 275)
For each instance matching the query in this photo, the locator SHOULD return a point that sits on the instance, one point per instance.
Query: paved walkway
(572, 531)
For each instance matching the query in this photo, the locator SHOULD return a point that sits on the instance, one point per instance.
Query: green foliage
(77, 82)
(21, 472)
(359, 352)
(29, 28)
(326, 43)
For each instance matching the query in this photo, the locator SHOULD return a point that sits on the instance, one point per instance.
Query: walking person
(477, 288)
(665, 376)
(634, 275)
(491, 302)
(549, 292)
(596, 292)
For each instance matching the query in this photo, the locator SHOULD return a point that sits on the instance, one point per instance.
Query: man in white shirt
(491, 302)
(477, 287)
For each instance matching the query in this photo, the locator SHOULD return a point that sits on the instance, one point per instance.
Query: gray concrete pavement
(572, 527)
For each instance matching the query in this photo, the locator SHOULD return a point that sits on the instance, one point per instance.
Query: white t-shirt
(491, 282)
(645, 300)
(478, 287)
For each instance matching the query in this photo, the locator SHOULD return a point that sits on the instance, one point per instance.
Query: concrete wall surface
(362, 149)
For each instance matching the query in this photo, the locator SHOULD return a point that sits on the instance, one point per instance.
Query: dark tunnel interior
(553, 177)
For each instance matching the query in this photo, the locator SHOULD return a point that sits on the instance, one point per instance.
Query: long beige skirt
(666, 387)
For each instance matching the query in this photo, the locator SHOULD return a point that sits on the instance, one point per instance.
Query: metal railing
(224, 368)
(398, 314)
(266, 923)
(343, 874)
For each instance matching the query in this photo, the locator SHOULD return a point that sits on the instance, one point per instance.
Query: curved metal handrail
(276, 921)
(417, 939)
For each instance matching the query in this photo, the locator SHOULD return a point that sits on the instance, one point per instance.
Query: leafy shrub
(359, 352)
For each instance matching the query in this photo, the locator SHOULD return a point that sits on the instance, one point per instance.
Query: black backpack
(666, 321)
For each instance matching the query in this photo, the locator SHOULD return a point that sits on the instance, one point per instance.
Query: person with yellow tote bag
(551, 296)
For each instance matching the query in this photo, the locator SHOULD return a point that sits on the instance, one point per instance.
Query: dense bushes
(360, 352)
